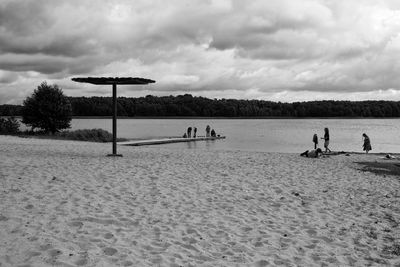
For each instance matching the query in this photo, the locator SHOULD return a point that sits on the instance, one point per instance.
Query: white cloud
(279, 50)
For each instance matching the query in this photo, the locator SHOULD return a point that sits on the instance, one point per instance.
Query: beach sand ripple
(64, 203)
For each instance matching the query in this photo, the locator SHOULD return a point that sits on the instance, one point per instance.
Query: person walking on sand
(208, 128)
(189, 132)
(315, 140)
(367, 143)
(194, 132)
(326, 138)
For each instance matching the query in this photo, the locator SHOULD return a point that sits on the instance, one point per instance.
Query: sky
(279, 50)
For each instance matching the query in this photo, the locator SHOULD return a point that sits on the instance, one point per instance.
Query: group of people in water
(316, 152)
(209, 132)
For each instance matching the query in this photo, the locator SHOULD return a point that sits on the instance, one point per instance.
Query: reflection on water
(191, 145)
(210, 143)
(269, 135)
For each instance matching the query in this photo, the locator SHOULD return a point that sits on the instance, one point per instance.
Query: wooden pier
(167, 141)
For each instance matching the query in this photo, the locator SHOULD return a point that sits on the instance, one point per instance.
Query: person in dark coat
(208, 131)
(213, 133)
(367, 143)
(194, 132)
(189, 132)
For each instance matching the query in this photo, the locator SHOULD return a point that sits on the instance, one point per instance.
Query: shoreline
(121, 140)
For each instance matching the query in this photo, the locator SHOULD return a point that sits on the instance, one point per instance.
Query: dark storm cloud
(24, 17)
(41, 36)
(62, 46)
(40, 63)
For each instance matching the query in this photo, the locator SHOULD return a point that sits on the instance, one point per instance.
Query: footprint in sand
(110, 251)
(315, 257)
(78, 224)
(81, 262)
(108, 236)
(33, 254)
(311, 232)
(33, 238)
(258, 244)
(313, 245)
(261, 263)
(54, 253)
(277, 190)
(45, 247)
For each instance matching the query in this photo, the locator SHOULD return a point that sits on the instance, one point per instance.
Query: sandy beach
(63, 203)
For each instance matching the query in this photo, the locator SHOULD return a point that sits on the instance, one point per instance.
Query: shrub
(90, 135)
(9, 126)
(93, 135)
(47, 108)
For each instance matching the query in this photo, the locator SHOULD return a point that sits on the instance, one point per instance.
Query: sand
(63, 203)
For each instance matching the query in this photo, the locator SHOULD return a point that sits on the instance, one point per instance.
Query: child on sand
(315, 140)
(326, 138)
(367, 143)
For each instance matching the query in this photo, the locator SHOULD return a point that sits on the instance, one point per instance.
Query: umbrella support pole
(114, 123)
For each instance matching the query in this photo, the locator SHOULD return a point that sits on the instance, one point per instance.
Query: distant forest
(187, 105)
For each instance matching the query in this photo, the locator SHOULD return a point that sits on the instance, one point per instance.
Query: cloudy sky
(280, 50)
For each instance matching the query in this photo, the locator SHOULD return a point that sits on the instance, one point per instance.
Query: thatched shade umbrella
(114, 81)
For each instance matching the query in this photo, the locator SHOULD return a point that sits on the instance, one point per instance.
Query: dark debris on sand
(381, 168)
(393, 249)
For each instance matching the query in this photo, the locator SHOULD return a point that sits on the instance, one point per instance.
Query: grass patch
(89, 135)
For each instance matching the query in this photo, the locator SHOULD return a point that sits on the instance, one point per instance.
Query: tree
(47, 108)
(9, 126)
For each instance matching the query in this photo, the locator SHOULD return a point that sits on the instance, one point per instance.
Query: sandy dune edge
(63, 203)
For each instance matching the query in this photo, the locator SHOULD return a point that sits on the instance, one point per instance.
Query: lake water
(267, 135)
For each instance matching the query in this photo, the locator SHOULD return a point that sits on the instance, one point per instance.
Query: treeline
(187, 105)
(10, 110)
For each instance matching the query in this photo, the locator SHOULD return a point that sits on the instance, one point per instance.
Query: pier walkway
(168, 141)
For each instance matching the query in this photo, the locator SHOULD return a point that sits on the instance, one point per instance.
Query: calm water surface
(268, 135)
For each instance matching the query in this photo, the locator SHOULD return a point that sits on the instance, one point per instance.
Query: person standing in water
(367, 143)
(194, 132)
(326, 138)
(189, 132)
(208, 128)
(315, 141)
(213, 133)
